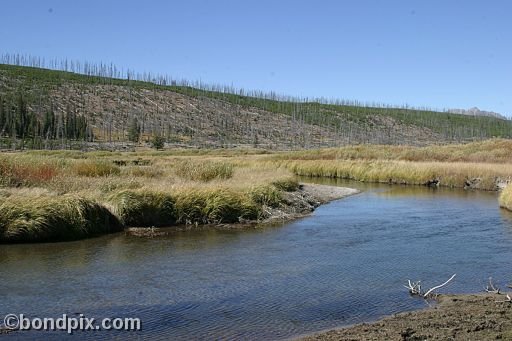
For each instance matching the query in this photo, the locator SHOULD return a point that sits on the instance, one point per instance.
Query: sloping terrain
(52, 102)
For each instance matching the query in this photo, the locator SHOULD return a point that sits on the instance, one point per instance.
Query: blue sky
(436, 53)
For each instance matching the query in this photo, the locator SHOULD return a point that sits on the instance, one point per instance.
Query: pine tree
(134, 130)
(157, 142)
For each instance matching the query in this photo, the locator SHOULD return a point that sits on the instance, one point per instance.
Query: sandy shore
(325, 193)
(455, 317)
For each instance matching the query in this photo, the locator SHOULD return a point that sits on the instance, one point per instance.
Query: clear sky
(436, 53)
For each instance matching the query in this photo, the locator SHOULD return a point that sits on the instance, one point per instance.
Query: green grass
(287, 185)
(143, 208)
(216, 206)
(54, 219)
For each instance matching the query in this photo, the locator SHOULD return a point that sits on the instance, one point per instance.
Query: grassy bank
(483, 165)
(506, 198)
(72, 195)
(63, 195)
(39, 219)
(457, 175)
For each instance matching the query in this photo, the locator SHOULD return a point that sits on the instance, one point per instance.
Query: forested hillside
(99, 107)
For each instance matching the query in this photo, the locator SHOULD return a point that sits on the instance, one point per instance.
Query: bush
(157, 142)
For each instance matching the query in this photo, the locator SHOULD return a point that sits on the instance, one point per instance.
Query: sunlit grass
(488, 151)
(69, 195)
(166, 190)
(204, 170)
(94, 168)
(49, 218)
(506, 198)
(450, 174)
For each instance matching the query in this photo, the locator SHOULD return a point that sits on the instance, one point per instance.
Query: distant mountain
(477, 112)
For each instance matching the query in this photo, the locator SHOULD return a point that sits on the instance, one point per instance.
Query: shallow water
(345, 264)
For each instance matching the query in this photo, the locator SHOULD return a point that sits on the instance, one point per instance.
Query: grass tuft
(204, 170)
(93, 168)
(143, 208)
(266, 195)
(287, 185)
(46, 219)
(214, 206)
(505, 198)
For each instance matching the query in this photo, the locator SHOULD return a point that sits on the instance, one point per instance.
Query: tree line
(38, 106)
(23, 128)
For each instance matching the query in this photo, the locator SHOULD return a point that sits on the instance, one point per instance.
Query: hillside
(477, 112)
(42, 108)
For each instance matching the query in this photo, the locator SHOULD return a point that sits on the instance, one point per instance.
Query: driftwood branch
(415, 287)
(439, 286)
(490, 288)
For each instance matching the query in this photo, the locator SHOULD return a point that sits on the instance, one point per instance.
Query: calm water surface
(344, 264)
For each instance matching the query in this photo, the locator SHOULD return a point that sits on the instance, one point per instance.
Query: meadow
(47, 196)
(66, 195)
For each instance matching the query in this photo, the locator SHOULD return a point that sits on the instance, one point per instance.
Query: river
(344, 264)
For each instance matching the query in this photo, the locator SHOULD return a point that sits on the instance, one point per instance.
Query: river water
(344, 264)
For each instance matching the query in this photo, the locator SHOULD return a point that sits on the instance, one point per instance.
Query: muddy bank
(304, 201)
(455, 317)
(296, 204)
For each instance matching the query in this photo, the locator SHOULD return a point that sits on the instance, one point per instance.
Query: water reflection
(344, 264)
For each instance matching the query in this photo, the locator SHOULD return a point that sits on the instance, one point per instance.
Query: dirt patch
(455, 317)
(325, 193)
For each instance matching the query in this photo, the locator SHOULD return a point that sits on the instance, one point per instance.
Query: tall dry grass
(505, 198)
(16, 172)
(165, 191)
(95, 168)
(457, 174)
(204, 170)
(43, 193)
(488, 151)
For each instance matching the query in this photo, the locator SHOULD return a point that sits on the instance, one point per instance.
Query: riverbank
(455, 317)
(485, 165)
(69, 195)
(304, 200)
(294, 205)
(61, 196)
